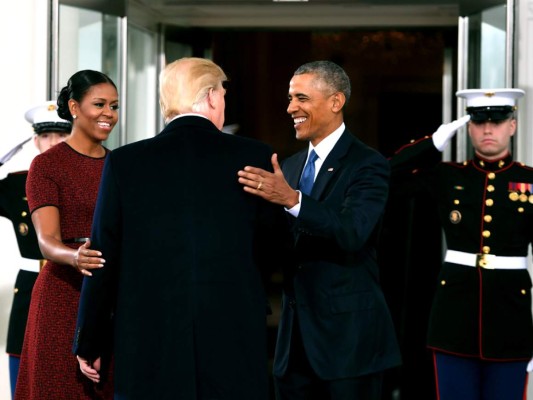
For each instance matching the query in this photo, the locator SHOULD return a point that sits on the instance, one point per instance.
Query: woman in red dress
(61, 188)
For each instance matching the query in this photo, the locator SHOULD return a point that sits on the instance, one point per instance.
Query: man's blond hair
(185, 83)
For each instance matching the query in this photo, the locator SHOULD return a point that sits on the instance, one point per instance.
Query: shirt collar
(493, 165)
(326, 145)
(187, 115)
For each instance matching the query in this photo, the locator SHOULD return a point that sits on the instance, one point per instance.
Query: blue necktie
(308, 176)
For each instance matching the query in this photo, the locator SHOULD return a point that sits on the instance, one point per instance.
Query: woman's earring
(74, 116)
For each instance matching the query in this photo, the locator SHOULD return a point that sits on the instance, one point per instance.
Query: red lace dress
(68, 180)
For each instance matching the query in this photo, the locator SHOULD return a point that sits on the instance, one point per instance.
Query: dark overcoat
(183, 244)
(347, 330)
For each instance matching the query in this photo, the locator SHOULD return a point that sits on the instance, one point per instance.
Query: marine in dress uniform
(480, 325)
(48, 129)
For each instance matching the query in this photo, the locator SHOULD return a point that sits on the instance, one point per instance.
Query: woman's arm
(46, 221)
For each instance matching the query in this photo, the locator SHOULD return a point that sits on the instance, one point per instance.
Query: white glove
(9, 155)
(442, 136)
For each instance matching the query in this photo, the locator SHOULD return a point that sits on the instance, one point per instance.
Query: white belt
(28, 264)
(488, 261)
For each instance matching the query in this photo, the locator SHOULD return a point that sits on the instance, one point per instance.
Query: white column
(524, 70)
(524, 73)
(23, 27)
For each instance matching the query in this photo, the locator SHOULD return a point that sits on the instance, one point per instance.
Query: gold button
(486, 249)
(489, 202)
(523, 291)
(520, 209)
(487, 218)
(23, 213)
(486, 234)
(490, 188)
(501, 163)
(482, 163)
(16, 290)
(456, 201)
(491, 175)
(443, 282)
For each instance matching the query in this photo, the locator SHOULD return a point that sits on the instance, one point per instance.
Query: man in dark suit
(184, 245)
(336, 336)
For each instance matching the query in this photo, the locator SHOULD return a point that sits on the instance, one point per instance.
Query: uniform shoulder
(18, 173)
(456, 164)
(524, 166)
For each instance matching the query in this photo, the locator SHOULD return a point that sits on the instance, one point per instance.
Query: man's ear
(338, 101)
(211, 98)
(513, 127)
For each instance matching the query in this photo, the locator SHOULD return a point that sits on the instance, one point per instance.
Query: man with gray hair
(336, 335)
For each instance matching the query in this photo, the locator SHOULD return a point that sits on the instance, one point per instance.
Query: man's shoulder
(358, 148)
(248, 142)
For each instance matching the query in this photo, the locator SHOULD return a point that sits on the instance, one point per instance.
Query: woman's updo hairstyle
(78, 85)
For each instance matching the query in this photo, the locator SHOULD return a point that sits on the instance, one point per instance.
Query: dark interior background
(396, 78)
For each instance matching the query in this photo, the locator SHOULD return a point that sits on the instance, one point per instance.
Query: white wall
(23, 83)
(524, 69)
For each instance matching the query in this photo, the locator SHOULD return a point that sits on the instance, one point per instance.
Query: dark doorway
(396, 78)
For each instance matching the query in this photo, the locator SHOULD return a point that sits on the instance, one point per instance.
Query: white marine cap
(490, 104)
(44, 118)
(490, 97)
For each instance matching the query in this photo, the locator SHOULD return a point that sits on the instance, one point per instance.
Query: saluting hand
(441, 137)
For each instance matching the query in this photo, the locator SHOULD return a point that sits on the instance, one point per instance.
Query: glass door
(101, 38)
(485, 58)
(86, 39)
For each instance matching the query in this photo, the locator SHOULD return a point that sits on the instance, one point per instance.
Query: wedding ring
(259, 186)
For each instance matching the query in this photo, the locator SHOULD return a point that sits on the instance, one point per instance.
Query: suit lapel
(331, 164)
(295, 168)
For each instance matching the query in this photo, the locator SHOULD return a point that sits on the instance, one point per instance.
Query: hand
(442, 136)
(270, 186)
(90, 370)
(86, 259)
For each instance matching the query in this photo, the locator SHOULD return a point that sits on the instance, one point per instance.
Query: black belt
(76, 240)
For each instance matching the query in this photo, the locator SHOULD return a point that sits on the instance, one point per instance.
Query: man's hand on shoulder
(271, 186)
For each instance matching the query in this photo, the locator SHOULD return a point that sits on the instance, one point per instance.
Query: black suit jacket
(183, 244)
(346, 326)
